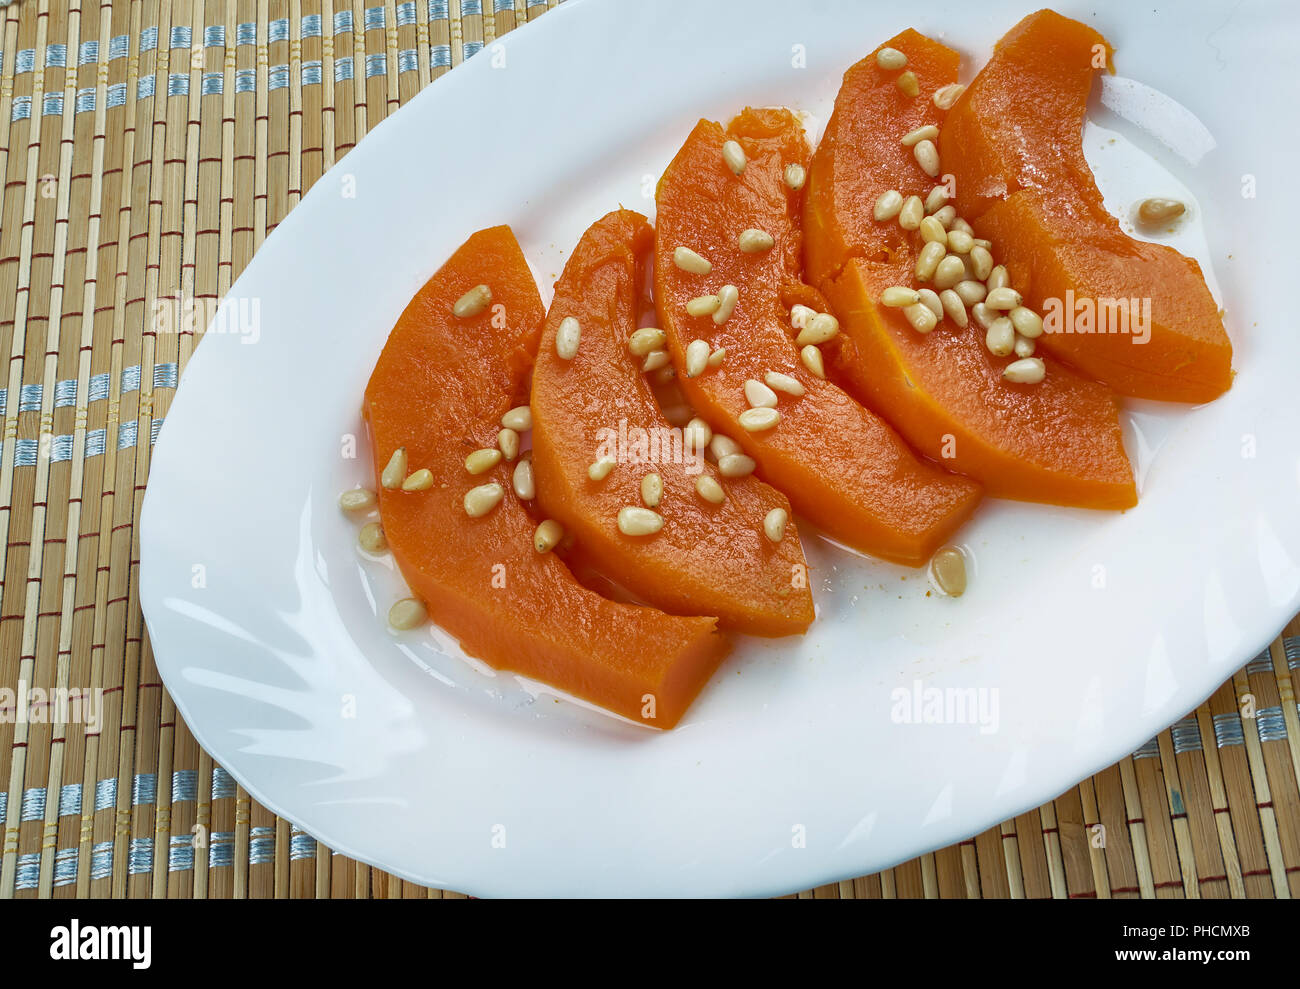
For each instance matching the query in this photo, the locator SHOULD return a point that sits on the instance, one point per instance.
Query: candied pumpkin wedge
(708, 558)
(1013, 143)
(439, 391)
(1057, 441)
(842, 466)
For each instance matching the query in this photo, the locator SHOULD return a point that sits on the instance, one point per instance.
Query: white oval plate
(1083, 633)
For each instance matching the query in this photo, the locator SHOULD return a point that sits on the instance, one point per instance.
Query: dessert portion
(727, 261)
(870, 336)
(921, 342)
(445, 404)
(643, 504)
(1148, 327)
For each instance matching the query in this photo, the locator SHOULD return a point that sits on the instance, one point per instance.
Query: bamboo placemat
(148, 147)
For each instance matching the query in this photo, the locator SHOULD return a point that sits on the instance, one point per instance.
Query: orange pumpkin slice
(1013, 142)
(1057, 441)
(708, 558)
(439, 390)
(842, 466)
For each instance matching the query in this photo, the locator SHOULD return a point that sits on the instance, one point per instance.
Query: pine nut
(702, 305)
(794, 176)
(523, 482)
(633, 521)
(481, 500)
(1026, 371)
(372, 538)
(1001, 337)
(890, 59)
(888, 204)
(932, 230)
(758, 420)
(646, 339)
(1027, 322)
(407, 614)
(599, 470)
(927, 133)
(936, 199)
(946, 215)
(690, 262)
(717, 357)
(736, 465)
(998, 278)
(395, 473)
(819, 329)
(421, 480)
(799, 315)
(774, 523)
(1153, 212)
(983, 315)
(697, 358)
(758, 395)
(567, 337)
(708, 488)
(954, 307)
(482, 460)
(652, 490)
(945, 96)
(921, 317)
(547, 536)
(982, 261)
(970, 291)
(697, 433)
(654, 361)
(663, 375)
(812, 360)
(1024, 346)
(728, 296)
(913, 211)
(753, 240)
(1002, 298)
(959, 224)
(959, 241)
(508, 443)
(520, 419)
(472, 302)
(984, 243)
(928, 260)
(909, 85)
(930, 299)
(949, 272)
(357, 500)
(723, 446)
(783, 383)
(734, 155)
(927, 156)
(948, 567)
(897, 296)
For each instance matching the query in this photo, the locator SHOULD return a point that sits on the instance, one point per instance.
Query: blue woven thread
(1228, 730)
(101, 860)
(223, 784)
(277, 30)
(139, 856)
(1187, 735)
(106, 793)
(1270, 724)
(70, 799)
(33, 806)
(65, 866)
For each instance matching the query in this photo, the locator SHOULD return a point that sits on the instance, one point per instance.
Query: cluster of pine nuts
(959, 270)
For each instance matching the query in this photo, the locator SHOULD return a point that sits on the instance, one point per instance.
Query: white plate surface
(797, 766)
